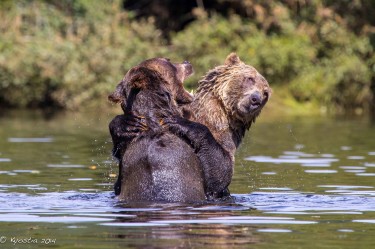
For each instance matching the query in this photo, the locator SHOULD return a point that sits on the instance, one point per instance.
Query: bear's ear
(118, 95)
(232, 59)
(139, 77)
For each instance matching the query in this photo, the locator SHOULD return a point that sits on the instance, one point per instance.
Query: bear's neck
(211, 112)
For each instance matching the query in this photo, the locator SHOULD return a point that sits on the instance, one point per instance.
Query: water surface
(300, 182)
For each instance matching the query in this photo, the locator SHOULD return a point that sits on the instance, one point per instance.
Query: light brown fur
(222, 99)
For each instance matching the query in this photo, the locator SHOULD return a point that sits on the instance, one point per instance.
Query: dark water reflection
(304, 182)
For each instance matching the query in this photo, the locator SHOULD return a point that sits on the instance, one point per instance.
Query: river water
(299, 182)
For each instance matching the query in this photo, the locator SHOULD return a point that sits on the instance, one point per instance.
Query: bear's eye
(251, 80)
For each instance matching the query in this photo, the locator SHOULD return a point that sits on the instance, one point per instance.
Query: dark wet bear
(124, 128)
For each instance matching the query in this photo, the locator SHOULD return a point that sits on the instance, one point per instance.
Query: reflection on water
(306, 182)
(30, 140)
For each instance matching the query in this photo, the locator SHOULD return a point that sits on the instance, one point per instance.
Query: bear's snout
(255, 100)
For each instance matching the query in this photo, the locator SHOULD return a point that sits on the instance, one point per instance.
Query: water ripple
(281, 203)
(268, 159)
(30, 140)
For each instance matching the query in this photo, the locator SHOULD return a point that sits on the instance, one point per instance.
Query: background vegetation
(67, 54)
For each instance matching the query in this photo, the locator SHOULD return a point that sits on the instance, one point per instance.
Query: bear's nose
(255, 99)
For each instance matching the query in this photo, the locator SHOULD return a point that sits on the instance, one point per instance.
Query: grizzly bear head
(246, 93)
(239, 91)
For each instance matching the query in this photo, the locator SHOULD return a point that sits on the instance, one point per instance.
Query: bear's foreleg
(216, 161)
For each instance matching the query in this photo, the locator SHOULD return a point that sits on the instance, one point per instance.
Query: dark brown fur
(149, 75)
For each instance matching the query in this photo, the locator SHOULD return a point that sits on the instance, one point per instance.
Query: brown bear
(124, 128)
(158, 165)
(228, 100)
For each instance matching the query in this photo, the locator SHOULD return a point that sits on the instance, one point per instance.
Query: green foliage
(55, 60)
(343, 89)
(64, 53)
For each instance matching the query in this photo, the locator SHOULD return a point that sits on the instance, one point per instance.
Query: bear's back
(161, 168)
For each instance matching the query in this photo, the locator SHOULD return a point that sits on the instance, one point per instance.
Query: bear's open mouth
(254, 107)
(248, 110)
